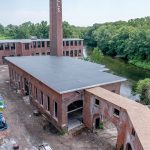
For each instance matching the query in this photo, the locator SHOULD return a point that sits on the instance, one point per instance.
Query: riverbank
(143, 65)
(119, 67)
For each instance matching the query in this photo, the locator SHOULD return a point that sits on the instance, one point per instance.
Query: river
(130, 72)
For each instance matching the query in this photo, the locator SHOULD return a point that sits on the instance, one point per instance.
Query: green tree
(96, 55)
(143, 88)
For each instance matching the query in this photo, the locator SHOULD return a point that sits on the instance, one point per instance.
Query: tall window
(116, 112)
(63, 43)
(76, 53)
(39, 44)
(56, 111)
(34, 44)
(42, 98)
(48, 43)
(67, 53)
(35, 92)
(67, 43)
(6, 46)
(43, 44)
(13, 46)
(1, 47)
(48, 103)
(26, 46)
(76, 43)
(71, 43)
(71, 53)
(79, 42)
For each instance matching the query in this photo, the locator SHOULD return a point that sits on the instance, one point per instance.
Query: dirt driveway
(30, 131)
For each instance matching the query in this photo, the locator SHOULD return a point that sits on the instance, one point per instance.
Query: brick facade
(71, 47)
(128, 134)
(17, 79)
(56, 33)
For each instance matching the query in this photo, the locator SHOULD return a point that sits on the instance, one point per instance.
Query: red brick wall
(106, 110)
(54, 96)
(56, 33)
(21, 51)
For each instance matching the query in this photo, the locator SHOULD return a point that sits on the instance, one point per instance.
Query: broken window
(67, 43)
(79, 43)
(48, 43)
(63, 43)
(97, 102)
(6, 46)
(76, 53)
(71, 43)
(80, 52)
(116, 112)
(1, 47)
(42, 98)
(43, 44)
(35, 93)
(39, 44)
(26, 46)
(34, 44)
(13, 46)
(48, 103)
(55, 107)
(133, 132)
(76, 43)
(71, 53)
(48, 53)
(67, 53)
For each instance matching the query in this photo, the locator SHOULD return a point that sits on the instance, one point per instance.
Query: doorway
(26, 87)
(75, 116)
(97, 123)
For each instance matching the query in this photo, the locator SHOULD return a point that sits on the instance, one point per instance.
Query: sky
(76, 12)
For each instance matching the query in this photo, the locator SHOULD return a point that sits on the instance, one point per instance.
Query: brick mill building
(72, 92)
(33, 47)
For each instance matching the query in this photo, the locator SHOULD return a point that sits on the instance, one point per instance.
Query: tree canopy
(128, 40)
(40, 30)
(143, 88)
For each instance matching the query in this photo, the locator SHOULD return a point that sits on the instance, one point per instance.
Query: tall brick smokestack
(56, 33)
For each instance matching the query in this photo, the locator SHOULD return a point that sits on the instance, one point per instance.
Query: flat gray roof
(65, 74)
(35, 40)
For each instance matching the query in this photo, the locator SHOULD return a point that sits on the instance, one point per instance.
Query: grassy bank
(4, 37)
(144, 65)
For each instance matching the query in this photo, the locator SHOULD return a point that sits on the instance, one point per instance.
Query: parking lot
(29, 131)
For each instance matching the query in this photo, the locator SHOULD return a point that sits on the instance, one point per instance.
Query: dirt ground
(30, 131)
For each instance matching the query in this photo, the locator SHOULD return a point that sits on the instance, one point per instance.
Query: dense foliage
(41, 30)
(143, 88)
(128, 40)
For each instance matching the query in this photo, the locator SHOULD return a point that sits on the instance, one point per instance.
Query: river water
(130, 72)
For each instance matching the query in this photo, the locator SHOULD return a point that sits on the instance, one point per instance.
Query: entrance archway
(128, 147)
(75, 117)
